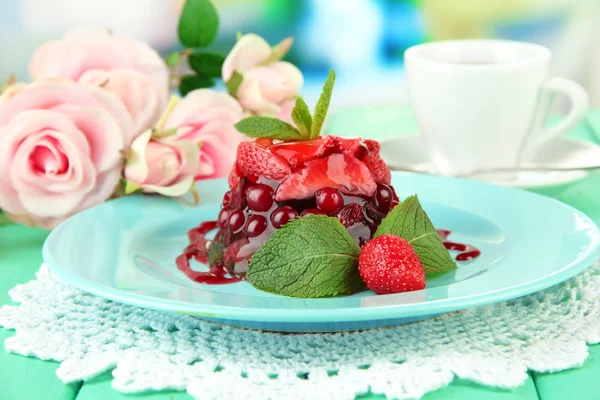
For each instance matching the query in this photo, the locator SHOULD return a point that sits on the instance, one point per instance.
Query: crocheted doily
(493, 345)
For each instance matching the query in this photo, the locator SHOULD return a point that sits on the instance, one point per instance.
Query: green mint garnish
(301, 117)
(308, 127)
(410, 222)
(198, 24)
(207, 63)
(322, 106)
(265, 127)
(312, 256)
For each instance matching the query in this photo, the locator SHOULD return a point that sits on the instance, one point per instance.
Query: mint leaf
(269, 128)
(198, 23)
(233, 84)
(322, 106)
(312, 256)
(207, 63)
(410, 222)
(301, 117)
(193, 82)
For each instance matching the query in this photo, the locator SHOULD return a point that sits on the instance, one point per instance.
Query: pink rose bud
(129, 68)
(160, 166)
(267, 83)
(60, 146)
(208, 117)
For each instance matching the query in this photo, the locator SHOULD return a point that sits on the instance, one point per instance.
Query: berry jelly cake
(273, 182)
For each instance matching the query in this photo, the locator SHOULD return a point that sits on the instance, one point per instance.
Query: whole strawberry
(388, 264)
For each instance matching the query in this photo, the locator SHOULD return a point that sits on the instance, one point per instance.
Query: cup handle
(579, 100)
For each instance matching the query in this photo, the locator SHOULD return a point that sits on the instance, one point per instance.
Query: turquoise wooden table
(24, 378)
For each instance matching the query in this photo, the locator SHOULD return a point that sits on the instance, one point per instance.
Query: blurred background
(363, 40)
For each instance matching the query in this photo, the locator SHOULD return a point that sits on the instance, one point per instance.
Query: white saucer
(410, 153)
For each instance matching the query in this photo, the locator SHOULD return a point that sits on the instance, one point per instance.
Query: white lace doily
(493, 345)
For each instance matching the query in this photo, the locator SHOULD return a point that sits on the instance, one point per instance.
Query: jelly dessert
(316, 216)
(273, 182)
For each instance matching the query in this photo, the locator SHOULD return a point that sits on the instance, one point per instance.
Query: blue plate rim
(380, 312)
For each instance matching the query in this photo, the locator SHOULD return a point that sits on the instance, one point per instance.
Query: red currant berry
(329, 200)
(314, 211)
(384, 197)
(224, 216)
(227, 198)
(394, 204)
(282, 216)
(236, 221)
(260, 197)
(255, 226)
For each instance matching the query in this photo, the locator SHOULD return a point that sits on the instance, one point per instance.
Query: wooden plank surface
(24, 378)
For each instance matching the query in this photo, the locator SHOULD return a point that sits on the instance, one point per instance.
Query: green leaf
(268, 128)
(312, 256)
(193, 82)
(207, 63)
(131, 187)
(198, 24)
(301, 117)
(278, 51)
(322, 106)
(158, 134)
(173, 59)
(233, 84)
(4, 220)
(410, 222)
(238, 36)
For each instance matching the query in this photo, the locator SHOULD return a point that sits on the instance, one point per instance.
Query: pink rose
(60, 146)
(208, 117)
(11, 91)
(160, 166)
(129, 68)
(267, 82)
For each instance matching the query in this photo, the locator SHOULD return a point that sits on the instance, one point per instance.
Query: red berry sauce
(467, 252)
(197, 249)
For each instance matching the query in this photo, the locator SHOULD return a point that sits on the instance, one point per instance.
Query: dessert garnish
(389, 264)
(302, 205)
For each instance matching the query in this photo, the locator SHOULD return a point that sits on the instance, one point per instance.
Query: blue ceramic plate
(125, 250)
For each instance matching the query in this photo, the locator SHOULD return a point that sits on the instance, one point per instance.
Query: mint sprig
(312, 256)
(273, 128)
(301, 117)
(309, 127)
(322, 106)
(410, 222)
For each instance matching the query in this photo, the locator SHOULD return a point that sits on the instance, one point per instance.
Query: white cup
(483, 103)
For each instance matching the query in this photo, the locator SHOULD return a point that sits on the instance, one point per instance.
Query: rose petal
(279, 81)
(101, 131)
(83, 49)
(204, 105)
(251, 98)
(105, 187)
(249, 51)
(141, 98)
(164, 163)
(42, 203)
(136, 169)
